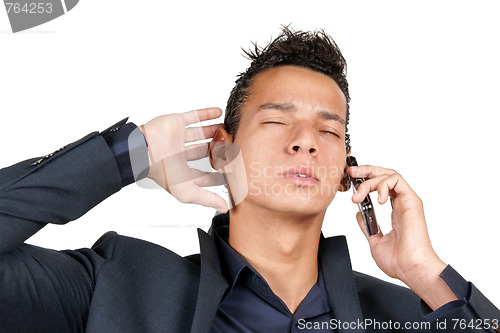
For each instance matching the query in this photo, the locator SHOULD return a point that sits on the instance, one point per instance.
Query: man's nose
(303, 141)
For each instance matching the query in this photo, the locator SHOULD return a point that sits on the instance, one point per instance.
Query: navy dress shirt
(249, 304)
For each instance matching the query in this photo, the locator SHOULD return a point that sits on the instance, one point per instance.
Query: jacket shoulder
(142, 282)
(117, 247)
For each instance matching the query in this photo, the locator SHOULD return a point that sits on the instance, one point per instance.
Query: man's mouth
(300, 175)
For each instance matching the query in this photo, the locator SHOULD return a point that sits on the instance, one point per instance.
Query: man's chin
(296, 206)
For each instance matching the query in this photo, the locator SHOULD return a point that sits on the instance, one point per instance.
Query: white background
(423, 80)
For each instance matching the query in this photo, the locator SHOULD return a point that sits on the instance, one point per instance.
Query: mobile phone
(365, 207)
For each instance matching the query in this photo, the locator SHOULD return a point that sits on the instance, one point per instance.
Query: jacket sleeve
(57, 188)
(478, 314)
(383, 303)
(43, 290)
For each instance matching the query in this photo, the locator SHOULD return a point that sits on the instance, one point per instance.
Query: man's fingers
(366, 187)
(196, 151)
(201, 133)
(207, 198)
(369, 171)
(192, 117)
(190, 153)
(210, 179)
(203, 178)
(383, 184)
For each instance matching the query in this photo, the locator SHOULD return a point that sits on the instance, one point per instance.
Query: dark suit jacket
(124, 284)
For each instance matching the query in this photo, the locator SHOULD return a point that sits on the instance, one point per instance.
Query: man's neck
(283, 248)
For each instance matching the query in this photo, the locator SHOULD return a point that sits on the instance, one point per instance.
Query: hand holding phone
(365, 207)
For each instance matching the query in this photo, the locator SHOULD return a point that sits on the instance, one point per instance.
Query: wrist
(425, 281)
(145, 134)
(156, 170)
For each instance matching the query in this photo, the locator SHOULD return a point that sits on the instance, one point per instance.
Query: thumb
(209, 199)
(362, 226)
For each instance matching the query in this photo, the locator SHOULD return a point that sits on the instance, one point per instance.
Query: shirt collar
(234, 264)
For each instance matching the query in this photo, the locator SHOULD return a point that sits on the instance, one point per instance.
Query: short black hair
(313, 50)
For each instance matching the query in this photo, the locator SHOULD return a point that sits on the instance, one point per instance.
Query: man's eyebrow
(277, 106)
(330, 116)
(290, 107)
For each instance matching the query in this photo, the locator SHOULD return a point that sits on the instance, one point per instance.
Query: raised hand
(405, 252)
(167, 136)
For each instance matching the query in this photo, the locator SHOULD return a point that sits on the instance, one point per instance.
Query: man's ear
(216, 148)
(345, 184)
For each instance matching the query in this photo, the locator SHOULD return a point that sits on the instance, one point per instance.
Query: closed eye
(273, 122)
(332, 133)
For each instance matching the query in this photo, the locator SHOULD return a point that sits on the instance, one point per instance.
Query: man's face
(292, 138)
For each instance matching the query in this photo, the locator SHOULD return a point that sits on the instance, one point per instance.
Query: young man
(268, 269)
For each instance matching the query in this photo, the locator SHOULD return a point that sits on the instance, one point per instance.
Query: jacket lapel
(335, 265)
(212, 285)
(339, 281)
